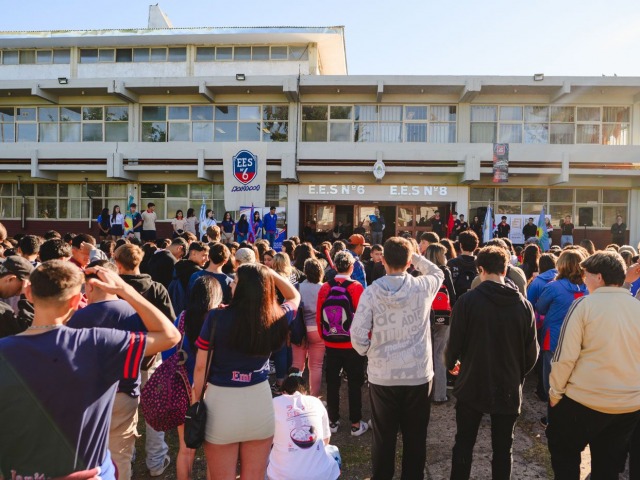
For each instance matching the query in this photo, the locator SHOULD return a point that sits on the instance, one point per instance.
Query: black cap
(18, 266)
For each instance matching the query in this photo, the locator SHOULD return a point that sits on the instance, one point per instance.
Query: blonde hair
(282, 264)
(436, 253)
(129, 256)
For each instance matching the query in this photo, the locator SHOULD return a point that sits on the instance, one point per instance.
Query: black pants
(353, 364)
(502, 432)
(572, 426)
(400, 407)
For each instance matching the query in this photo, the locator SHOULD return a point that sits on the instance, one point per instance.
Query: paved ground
(530, 454)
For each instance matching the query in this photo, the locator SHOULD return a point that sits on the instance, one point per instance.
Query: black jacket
(160, 267)
(493, 335)
(154, 292)
(529, 230)
(183, 271)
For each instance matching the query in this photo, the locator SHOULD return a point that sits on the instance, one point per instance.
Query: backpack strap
(213, 323)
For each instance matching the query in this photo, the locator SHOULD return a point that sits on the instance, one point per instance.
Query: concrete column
(293, 210)
(633, 217)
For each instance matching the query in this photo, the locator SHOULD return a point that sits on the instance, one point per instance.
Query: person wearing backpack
(337, 302)
(183, 270)
(463, 267)
(440, 316)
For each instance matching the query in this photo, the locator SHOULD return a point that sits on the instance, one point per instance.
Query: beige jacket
(597, 361)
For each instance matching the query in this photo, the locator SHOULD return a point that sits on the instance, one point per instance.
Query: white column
(633, 217)
(293, 210)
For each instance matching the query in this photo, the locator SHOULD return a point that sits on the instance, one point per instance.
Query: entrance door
(414, 220)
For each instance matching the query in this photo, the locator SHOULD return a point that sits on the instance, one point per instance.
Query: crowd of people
(85, 324)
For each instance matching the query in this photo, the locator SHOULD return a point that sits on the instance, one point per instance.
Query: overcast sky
(423, 37)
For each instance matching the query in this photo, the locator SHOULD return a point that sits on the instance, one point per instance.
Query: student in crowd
(178, 223)
(355, 247)
(104, 224)
(256, 224)
(493, 339)
(337, 302)
(515, 276)
(449, 248)
(136, 221)
(149, 218)
(618, 231)
(42, 434)
(54, 249)
(566, 228)
(312, 348)
(218, 256)
(530, 229)
(476, 226)
(208, 221)
(463, 267)
(588, 406)
(14, 277)
(530, 260)
(117, 224)
(195, 260)
(161, 265)
(374, 269)
(228, 228)
(301, 435)
(503, 228)
(242, 423)
(267, 258)
(191, 222)
(400, 367)
(29, 247)
(270, 223)
(242, 229)
(436, 253)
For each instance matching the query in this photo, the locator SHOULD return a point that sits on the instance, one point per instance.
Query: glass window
(588, 114)
(561, 195)
(314, 112)
(92, 132)
(70, 132)
(416, 112)
(275, 132)
(609, 214)
(154, 113)
(509, 209)
(298, 53)
(177, 55)
(117, 114)
(365, 132)
(366, 112)
(415, 132)
(178, 113)
(260, 53)
(27, 57)
(91, 113)
(154, 131)
(48, 114)
(340, 132)
(588, 134)
(202, 131)
(174, 205)
(158, 54)
(391, 113)
(534, 195)
(445, 113)
(205, 54)
(314, 132)
(226, 112)
(116, 132)
(225, 132)
(483, 133)
(47, 190)
(6, 207)
(48, 132)
(615, 196)
(10, 57)
(510, 194)
(7, 132)
(89, 55)
(124, 55)
(152, 190)
(27, 132)
(178, 190)
(511, 114)
(201, 113)
(242, 53)
(558, 212)
(179, 132)
(200, 191)
(70, 114)
(536, 133)
(278, 53)
(587, 195)
(251, 112)
(140, 54)
(340, 112)
(62, 56)
(615, 134)
(442, 132)
(249, 132)
(106, 55)
(47, 208)
(536, 114)
(486, 195)
(483, 113)
(390, 132)
(562, 114)
(275, 112)
(562, 133)
(615, 114)
(510, 133)
(224, 53)
(26, 114)
(44, 56)
(533, 209)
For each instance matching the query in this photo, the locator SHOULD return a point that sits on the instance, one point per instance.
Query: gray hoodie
(391, 326)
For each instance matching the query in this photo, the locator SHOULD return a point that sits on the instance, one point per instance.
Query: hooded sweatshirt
(392, 328)
(535, 290)
(493, 335)
(152, 291)
(554, 303)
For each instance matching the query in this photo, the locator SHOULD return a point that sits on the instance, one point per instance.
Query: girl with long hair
(190, 222)
(242, 229)
(104, 224)
(228, 229)
(178, 224)
(530, 258)
(116, 229)
(241, 424)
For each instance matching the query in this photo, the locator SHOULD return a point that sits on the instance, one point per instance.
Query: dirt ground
(530, 455)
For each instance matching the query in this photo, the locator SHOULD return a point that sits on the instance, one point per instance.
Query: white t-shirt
(149, 220)
(298, 450)
(190, 225)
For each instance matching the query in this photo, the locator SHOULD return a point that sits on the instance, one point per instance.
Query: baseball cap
(357, 239)
(18, 266)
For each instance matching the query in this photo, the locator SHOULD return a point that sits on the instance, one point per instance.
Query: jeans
(566, 240)
(502, 433)
(403, 407)
(353, 364)
(547, 355)
(281, 359)
(270, 237)
(376, 238)
(154, 443)
(572, 426)
(440, 335)
(313, 347)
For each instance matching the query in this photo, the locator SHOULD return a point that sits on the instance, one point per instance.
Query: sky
(410, 37)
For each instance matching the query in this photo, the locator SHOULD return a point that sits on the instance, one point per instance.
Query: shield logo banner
(245, 166)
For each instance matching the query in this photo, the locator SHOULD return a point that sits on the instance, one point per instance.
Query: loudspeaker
(481, 212)
(585, 216)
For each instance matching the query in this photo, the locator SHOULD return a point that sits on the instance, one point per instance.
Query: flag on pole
(128, 218)
(487, 227)
(542, 234)
(203, 212)
(252, 232)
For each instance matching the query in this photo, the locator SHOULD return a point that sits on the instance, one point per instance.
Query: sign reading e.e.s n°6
(245, 166)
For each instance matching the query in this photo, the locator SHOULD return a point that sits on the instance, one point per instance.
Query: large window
(379, 123)
(64, 124)
(35, 57)
(222, 123)
(603, 205)
(252, 53)
(550, 124)
(135, 55)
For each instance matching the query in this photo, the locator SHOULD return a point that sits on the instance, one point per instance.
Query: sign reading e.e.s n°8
(393, 190)
(245, 166)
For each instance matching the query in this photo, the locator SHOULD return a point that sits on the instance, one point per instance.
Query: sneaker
(272, 368)
(544, 422)
(333, 426)
(359, 430)
(441, 402)
(160, 470)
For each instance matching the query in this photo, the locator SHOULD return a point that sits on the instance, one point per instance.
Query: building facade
(89, 118)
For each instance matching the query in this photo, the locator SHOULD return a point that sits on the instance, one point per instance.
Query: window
(251, 53)
(379, 123)
(35, 57)
(222, 123)
(550, 124)
(10, 57)
(64, 124)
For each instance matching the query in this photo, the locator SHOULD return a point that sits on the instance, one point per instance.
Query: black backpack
(464, 279)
